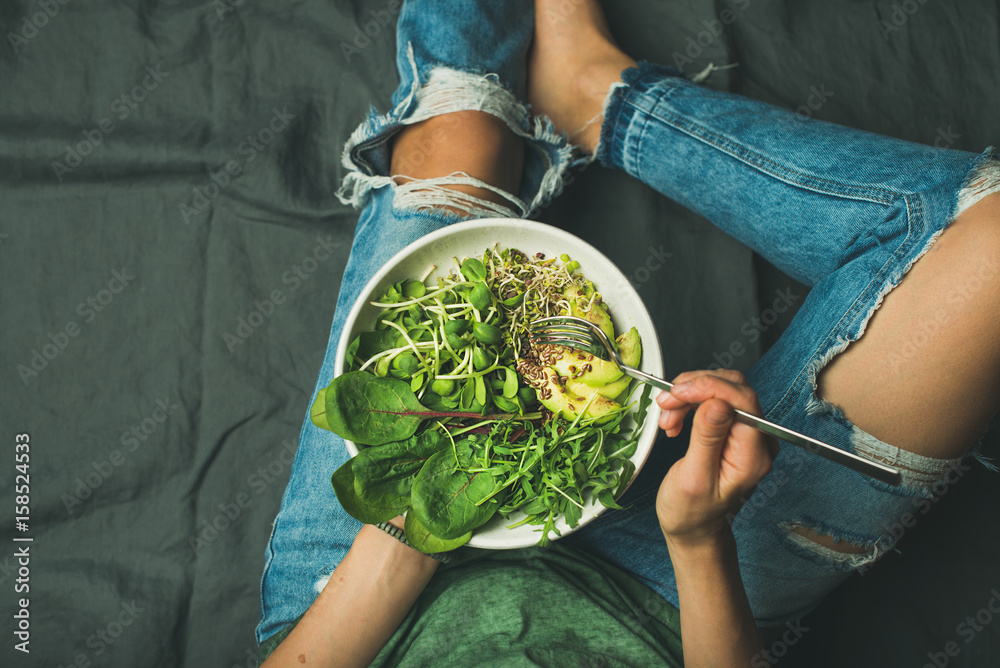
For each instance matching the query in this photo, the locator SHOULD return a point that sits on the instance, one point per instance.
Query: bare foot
(572, 64)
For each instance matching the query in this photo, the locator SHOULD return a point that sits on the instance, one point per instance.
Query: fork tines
(560, 341)
(550, 327)
(565, 331)
(561, 323)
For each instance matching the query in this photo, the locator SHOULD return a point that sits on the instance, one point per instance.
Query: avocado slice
(630, 349)
(597, 313)
(612, 390)
(601, 374)
(573, 364)
(557, 398)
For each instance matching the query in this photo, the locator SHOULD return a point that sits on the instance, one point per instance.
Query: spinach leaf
(421, 538)
(318, 410)
(368, 344)
(371, 410)
(345, 487)
(372, 343)
(384, 474)
(449, 500)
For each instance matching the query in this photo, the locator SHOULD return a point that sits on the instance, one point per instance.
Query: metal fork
(586, 336)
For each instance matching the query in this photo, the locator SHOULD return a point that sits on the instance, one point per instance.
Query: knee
(458, 194)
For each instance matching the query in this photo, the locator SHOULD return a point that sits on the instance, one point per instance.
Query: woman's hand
(724, 462)
(725, 459)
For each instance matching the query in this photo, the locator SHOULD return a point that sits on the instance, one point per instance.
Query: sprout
(530, 289)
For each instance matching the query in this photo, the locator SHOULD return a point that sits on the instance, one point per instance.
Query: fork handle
(873, 469)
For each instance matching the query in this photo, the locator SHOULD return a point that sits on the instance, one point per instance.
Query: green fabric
(553, 607)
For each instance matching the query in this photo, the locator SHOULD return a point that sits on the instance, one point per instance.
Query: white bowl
(472, 239)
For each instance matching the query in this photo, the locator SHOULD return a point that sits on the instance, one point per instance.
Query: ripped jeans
(844, 211)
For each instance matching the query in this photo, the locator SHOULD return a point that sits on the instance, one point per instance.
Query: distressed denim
(844, 211)
(452, 55)
(847, 213)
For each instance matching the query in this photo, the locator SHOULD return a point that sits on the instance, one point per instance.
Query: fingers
(717, 443)
(700, 388)
(669, 400)
(694, 387)
(712, 422)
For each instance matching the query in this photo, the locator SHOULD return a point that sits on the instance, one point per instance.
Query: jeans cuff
(618, 112)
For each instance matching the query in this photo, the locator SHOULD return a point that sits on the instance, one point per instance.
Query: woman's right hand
(725, 459)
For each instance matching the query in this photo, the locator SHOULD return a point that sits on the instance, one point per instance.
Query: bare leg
(572, 64)
(925, 376)
(474, 142)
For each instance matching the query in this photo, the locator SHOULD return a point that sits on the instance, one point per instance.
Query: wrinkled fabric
(506, 602)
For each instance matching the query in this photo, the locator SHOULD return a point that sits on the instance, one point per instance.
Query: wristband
(400, 535)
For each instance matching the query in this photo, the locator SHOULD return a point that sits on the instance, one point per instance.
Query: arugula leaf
(645, 399)
(624, 478)
(572, 514)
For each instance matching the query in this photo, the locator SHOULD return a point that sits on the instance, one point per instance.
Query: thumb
(709, 432)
